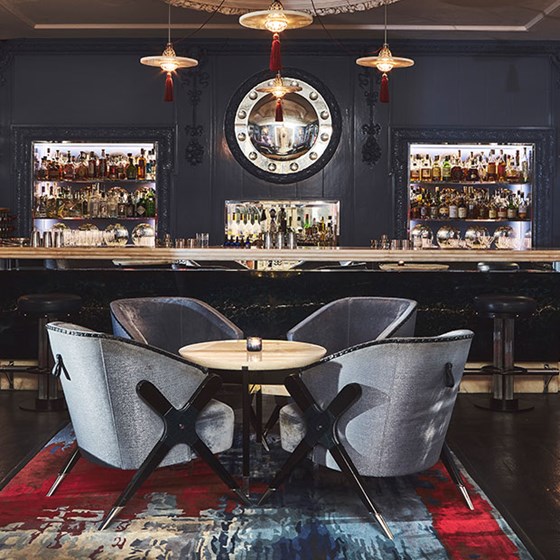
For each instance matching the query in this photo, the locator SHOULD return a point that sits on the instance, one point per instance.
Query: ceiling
(408, 19)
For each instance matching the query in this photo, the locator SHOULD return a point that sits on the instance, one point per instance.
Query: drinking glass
(203, 240)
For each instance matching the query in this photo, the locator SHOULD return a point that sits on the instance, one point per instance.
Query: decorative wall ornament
(543, 174)
(22, 166)
(319, 7)
(284, 151)
(371, 150)
(195, 82)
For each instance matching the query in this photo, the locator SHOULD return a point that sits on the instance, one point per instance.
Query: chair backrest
(354, 320)
(170, 322)
(111, 422)
(398, 425)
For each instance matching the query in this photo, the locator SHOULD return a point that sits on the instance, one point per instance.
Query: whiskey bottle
(436, 170)
(426, 171)
(491, 169)
(457, 169)
(131, 171)
(142, 165)
(102, 165)
(446, 170)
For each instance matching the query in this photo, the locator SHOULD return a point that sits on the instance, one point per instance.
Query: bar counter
(313, 254)
(268, 302)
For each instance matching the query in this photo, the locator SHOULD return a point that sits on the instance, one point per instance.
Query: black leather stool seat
(47, 304)
(504, 305)
(44, 308)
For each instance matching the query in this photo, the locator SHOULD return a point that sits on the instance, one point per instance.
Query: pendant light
(385, 62)
(169, 62)
(276, 20)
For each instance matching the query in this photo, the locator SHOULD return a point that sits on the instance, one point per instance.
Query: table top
(233, 355)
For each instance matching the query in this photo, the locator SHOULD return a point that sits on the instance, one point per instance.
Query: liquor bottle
(436, 170)
(472, 172)
(501, 167)
(492, 212)
(131, 171)
(522, 208)
(140, 209)
(453, 209)
(113, 172)
(42, 171)
(491, 169)
(426, 170)
(69, 171)
(130, 207)
(41, 204)
(525, 168)
(443, 210)
(446, 170)
(511, 209)
(142, 165)
(415, 169)
(82, 168)
(434, 206)
(103, 206)
(457, 168)
(91, 166)
(462, 209)
(112, 205)
(121, 206)
(151, 205)
(102, 165)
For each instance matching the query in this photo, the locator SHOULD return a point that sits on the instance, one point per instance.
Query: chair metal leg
(65, 470)
(346, 465)
(156, 456)
(455, 474)
(180, 427)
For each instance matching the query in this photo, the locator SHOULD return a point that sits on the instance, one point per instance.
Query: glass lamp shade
(169, 61)
(279, 88)
(385, 61)
(276, 19)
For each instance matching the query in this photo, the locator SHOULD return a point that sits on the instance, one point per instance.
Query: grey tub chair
(378, 409)
(343, 323)
(170, 322)
(136, 407)
(353, 320)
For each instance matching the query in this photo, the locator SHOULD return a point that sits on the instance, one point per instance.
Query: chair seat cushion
(505, 305)
(292, 427)
(47, 304)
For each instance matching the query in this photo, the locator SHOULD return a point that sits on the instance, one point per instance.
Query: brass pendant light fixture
(276, 20)
(169, 62)
(385, 62)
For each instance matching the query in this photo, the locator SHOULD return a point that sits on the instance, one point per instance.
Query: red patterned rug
(187, 513)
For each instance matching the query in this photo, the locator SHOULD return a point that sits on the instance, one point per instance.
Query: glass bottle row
(491, 166)
(92, 201)
(471, 203)
(63, 166)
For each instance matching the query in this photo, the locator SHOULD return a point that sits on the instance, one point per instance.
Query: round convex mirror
(289, 149)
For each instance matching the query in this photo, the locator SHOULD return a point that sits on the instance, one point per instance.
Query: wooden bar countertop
(340, 254)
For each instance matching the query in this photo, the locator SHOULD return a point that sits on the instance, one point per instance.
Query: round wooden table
(231, 360)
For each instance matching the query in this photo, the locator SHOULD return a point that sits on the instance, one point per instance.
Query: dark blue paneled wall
(101, 83)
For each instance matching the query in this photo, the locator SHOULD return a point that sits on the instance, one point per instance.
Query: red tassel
(279, 113)
(168, 88)
(384, 90)
(275, 56)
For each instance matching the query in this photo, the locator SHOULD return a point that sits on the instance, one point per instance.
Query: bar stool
(46, 308)
(504, 309)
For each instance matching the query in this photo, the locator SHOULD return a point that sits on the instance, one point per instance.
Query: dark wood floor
(514, 458)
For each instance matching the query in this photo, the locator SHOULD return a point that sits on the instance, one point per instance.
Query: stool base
(499, 405)
(44, 405)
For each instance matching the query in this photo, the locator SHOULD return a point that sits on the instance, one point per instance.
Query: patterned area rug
(187, 513)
